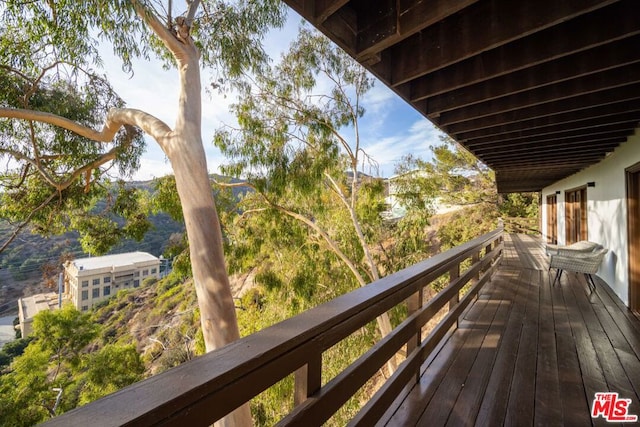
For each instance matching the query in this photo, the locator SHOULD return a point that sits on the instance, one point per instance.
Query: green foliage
(520, 205)
(301, 154)
(466, 224)
(53, 177)
(165, 198)
(58, 356)
(459, 179)
(64, 333)
(110, 369)
(149, 281)
(13, 349)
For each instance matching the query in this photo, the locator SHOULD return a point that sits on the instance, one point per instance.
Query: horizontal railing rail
(523, 225)
(206, 389)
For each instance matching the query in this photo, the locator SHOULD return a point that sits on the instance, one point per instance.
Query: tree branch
(26, 222)
(164, 34)
(116, 118)
(191, 12)
(332, 244)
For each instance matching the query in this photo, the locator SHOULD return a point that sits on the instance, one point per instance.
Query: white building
(91, 280)
(29, 306)
(601, 204)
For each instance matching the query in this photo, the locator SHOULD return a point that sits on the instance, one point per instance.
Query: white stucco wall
(606, 211)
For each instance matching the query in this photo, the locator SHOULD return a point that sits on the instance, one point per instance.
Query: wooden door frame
(632, 178)
(583, 219)
(552, 223)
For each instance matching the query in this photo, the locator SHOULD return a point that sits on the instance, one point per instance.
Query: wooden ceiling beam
(600, 82)
(568, 161)
(606, 144)
(558, 158)
(343, 28)
(404, 19)
(580, 106)
(537, 89)
(542, 157)
(615, 22)
(323, 9)
(583, 119)
(438, 46)
(601, 59)
(531, 147)
(572, 132)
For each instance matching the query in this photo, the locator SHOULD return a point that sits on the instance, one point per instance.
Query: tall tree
(50, 48)
(461, 180)
(300, 149)
(48, 51)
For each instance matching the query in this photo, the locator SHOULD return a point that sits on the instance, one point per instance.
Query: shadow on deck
(527, 353)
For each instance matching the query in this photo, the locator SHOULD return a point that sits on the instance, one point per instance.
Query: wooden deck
(527, 353)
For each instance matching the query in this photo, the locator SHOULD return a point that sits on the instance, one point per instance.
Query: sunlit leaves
(49, 60)
(59, 359)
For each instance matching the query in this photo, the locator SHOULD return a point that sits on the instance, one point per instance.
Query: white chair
(581, 257)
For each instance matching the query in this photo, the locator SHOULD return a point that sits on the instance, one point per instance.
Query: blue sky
(389, 129)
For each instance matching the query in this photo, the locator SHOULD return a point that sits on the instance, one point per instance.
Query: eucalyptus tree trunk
(186, 153)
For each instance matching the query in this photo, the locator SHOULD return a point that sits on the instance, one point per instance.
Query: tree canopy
(55, 361)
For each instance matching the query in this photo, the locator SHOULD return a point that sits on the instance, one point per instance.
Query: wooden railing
(522, 225)
(204, 390)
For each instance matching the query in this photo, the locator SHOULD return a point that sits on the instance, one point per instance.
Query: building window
(95, 293)
(136, 283)
(145, 272)
(85, 283)
(126, 284)
(153, 271)
(106, 291)
(106, 279)
(85, 295)
(85, 307)
(96, 282)
(136, 274)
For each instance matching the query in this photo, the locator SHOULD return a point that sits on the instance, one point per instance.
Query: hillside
(21, 263)
(161, 319)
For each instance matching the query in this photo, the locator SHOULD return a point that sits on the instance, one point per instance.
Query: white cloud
(417, 139)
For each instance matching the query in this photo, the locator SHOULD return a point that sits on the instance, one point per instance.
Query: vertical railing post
(487, 251)
(414, 303)
(475, 259)
(454, 274)
(308, 379)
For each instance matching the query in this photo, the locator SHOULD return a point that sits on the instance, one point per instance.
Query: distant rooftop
(34, 304)
(117, 260)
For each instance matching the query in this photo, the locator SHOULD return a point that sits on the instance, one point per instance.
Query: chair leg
(558, 276)
(590, 282)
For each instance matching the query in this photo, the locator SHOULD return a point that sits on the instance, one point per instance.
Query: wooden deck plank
(473, 389)
(439, 410)
(461, 376)
(523, 384)
(592, 375)
(412, 407)
(610, 344)
(547, 410)
(492, 409)
(572, 397)
(533, 354)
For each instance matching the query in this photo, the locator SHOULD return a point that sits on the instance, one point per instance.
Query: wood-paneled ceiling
(537, 89)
